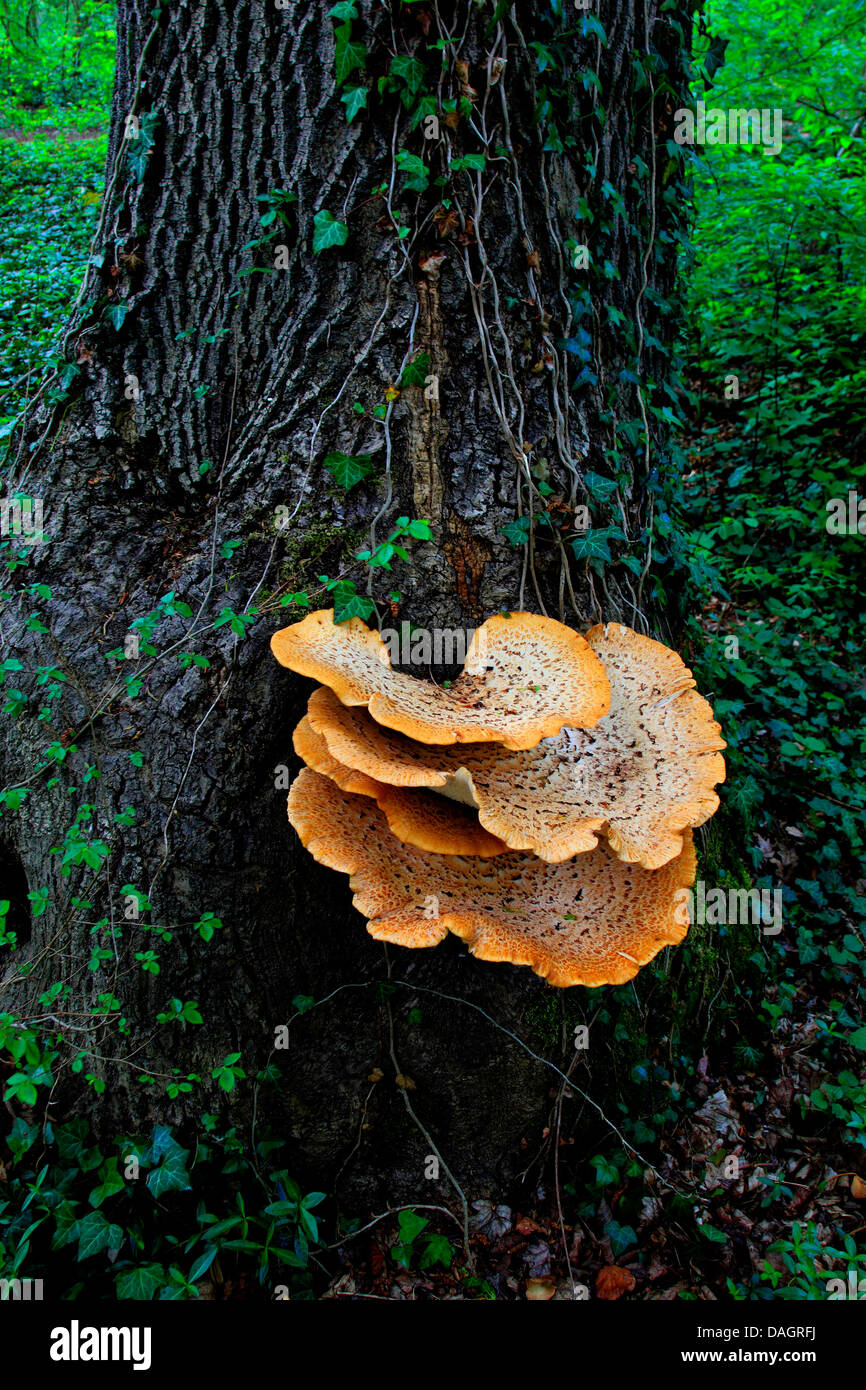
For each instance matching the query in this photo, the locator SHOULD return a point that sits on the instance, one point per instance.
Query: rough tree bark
(548, 372)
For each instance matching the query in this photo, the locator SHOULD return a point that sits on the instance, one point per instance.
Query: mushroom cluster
(540, 807)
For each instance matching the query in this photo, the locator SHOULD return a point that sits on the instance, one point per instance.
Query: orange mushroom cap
(419, 817)
(524, 678)
(592, 921)
(642, 776)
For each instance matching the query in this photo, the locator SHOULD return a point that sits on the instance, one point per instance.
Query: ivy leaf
(65, 1225)
(409, 71)
(600, 487)
(517, 531)
(140, 1284)
(469, 161)
(414, 170)
(116, 313)
(621, 1237)
(411, 1225)
(348, 55)
(345, 9)
(590, 25)
(171, 1175)
(92, 1234)
(349, 470)
(355, 100)
(438, 1250)
(328, 231)
(416, 372)
(594, 546)
(348, 603)
(140, 145)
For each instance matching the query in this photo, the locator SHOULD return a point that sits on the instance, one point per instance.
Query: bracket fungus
(572, 851)
(593, 920)
(524, 678)
(420, 818)
(642, 776)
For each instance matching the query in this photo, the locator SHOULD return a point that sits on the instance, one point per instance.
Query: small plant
(419, 1247)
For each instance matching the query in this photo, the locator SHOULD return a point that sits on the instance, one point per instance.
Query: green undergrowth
(146, 1217)
(49, 199)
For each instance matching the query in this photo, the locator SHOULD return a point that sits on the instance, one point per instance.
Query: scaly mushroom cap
(642, 775)
(524, 678)
(591, 921)
(420, 818)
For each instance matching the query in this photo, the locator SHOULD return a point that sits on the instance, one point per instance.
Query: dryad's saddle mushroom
(517, 870)
(419, 818)
(523, 679)
(593, 920)
(642, 775)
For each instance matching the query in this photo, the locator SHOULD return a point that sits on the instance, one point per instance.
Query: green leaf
(354, 100)
(409, 71)
(170, 1176)
(203, 1263)
(411, 1225)
(65, 1225)
(328, 232)
(415, 373)
(414, 170)
(590, 25)
(858, 1039)
(350, 604)
(605, 1171)
(594, 546)
(288, 1257)
(116, 313)
(469, 161)
(140, 1284)
(92, 1235)
(713, 1233)
(437, 1250)
(599, 487)
(348, 55)
(517, 531)
(349, 470)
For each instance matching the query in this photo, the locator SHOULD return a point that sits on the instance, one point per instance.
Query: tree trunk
(213, 377)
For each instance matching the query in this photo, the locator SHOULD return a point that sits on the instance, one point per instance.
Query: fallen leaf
(613, 1282)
